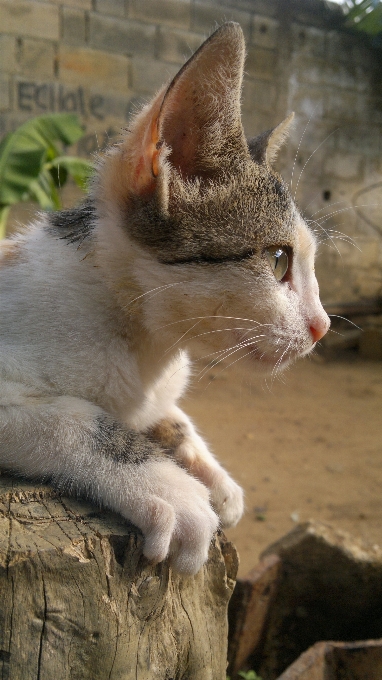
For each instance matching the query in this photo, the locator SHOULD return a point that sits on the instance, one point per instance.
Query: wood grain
(80, 602)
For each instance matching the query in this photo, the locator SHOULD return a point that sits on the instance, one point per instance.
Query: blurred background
(308, 443)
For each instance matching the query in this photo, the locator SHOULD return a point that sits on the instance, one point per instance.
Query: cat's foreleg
(81, 449)
(178, 436)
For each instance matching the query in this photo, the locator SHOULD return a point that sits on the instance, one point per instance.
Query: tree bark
(80, 602)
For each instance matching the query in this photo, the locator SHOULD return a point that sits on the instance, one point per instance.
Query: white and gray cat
(188, 236)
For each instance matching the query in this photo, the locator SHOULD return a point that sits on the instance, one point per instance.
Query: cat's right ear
(192, 126)
(265, 147)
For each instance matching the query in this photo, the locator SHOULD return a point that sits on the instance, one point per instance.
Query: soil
(307, 446)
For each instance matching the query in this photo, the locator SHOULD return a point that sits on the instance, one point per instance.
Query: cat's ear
(194, 123)
(200, 112)
(266, 146)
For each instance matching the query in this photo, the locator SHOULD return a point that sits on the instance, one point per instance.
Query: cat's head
(201, 226)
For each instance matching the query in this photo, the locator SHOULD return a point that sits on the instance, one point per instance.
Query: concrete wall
(100, 58)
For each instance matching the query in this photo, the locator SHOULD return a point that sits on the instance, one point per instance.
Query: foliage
(365, 15)
(33, 165)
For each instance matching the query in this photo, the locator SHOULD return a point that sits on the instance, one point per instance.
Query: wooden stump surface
(80, 602)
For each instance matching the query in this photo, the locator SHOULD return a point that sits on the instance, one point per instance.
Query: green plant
(33, 164)
(365, 15)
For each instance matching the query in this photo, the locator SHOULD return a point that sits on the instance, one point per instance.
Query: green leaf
(78, 168)
(24, 152)
(365, 16)
(4, 212)
(44, 191)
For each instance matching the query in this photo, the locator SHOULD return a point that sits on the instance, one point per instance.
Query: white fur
(64, 360)
(93, 337)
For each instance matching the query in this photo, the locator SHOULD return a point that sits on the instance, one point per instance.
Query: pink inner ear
(194, 117)
(144, 149)
(184, 144)
(201, 108)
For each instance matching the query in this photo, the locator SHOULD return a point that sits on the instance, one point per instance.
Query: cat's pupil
(278, 259)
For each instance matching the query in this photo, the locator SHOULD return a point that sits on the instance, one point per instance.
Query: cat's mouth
(256, 351)
(260, 352)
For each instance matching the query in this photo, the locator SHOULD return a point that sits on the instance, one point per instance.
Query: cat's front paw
(175, 516)
(227, 498)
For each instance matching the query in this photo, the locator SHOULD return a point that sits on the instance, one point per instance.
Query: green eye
(278, 260)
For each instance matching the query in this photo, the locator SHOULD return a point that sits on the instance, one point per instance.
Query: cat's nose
(319, 328)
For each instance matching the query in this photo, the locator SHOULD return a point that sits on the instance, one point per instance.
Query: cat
(188, 236)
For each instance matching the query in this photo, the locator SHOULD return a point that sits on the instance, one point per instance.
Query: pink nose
(318, 331)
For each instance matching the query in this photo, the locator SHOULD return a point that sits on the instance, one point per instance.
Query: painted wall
(102, 58)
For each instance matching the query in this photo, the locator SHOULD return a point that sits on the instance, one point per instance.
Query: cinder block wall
(102, 58)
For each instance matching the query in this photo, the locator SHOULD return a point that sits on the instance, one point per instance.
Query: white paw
(175, 517)
(227, 498)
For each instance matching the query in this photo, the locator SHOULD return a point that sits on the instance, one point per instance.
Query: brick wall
(101, 58)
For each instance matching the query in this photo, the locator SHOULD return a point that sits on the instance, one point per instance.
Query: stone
(84, 66)
(33, 19)
(170, 12)
(36, 58)
(342, 165)
(259, 95)
(176, 46)
(264, 31)
(206, 16)
(261, 63)
(248, 610)
(7, 54)
(121, 36)
(5, 100)
(148, 75)
(320, 585)
(332, 660)
(73, 26)
(112, 7)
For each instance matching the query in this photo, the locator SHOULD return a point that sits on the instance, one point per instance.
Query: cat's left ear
(266, 146)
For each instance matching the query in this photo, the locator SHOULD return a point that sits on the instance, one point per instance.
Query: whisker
(310, 202)
(299, 145)
(231, 350)
(345, 319)
(325, 218)
(247, 354)
(335, 332)
(311, 155)
(158, 289)
(212, 316)
(329, 238)
(327, 206)
(236, 360)
(181, 337)
(279, 362)
(199, 335)
(340, 237)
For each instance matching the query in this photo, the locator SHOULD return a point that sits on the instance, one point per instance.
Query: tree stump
(80, 602)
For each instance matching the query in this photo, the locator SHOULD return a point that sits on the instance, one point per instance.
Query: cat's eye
(278, 260)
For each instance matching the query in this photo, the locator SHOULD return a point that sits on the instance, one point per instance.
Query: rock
(320, 585)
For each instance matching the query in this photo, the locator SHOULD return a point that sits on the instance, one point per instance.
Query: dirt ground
(308, 446)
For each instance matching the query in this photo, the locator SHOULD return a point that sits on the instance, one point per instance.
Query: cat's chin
(266, 364)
